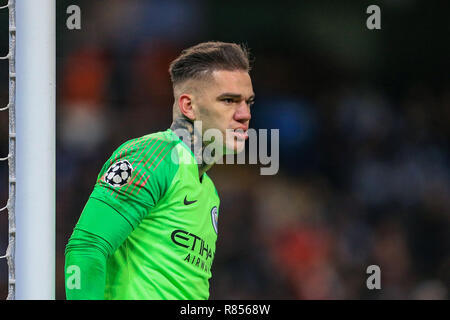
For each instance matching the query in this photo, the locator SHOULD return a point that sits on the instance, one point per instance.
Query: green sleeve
(153, 170)
(99, 232)
(111, 214)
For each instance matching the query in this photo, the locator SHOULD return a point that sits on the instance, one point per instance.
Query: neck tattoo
(183, 123)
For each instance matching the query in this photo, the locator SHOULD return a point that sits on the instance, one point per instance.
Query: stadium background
(364, 133)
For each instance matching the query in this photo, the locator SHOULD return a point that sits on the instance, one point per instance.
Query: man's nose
(242, 113)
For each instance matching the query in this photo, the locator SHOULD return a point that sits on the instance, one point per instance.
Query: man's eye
(250, 103)
(228, 101)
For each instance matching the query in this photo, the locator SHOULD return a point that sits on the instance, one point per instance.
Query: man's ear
(185, 106)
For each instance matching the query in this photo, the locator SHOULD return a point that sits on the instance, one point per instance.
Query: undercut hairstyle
(199, 61)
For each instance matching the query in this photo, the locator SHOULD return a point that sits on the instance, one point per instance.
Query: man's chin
(234, 147)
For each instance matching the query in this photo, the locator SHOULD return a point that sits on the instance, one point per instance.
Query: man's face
(224, 103)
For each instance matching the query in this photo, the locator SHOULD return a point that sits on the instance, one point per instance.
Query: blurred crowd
(364, 173)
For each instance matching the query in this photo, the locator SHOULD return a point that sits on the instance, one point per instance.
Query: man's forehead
(236, 82)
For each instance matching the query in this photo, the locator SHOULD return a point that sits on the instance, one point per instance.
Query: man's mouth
(240, 134)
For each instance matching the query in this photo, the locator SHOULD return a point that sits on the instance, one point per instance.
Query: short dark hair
(204, 58)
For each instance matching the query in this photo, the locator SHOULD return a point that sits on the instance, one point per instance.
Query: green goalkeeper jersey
(149, 228)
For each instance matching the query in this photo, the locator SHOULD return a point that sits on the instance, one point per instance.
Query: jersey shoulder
(141, 148)
(142, 163)
(146, 153)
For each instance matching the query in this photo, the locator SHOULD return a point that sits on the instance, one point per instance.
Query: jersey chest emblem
(214, 218)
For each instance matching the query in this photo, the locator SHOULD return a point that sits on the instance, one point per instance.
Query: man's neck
(195, 143)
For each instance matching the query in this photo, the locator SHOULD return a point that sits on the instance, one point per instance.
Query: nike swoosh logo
(186, 202)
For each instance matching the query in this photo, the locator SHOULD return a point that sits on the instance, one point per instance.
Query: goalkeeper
(149, 227)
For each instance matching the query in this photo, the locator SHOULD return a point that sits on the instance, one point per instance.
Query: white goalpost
(35, 149)
(10, 205)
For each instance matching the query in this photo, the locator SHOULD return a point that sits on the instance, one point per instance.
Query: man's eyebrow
(234, 96)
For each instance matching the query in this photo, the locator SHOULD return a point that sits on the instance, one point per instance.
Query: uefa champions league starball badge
(119, 173)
